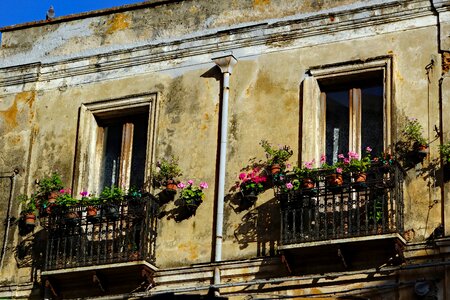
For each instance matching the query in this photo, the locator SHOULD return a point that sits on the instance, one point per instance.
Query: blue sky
(23, 11)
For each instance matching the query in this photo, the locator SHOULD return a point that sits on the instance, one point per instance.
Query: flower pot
(72, 215)
(275, 169)
(335, 180)
(249, 197)
(91, 211)
(171, 187)
(422, 149)
(71, 218)
(307, 183)
(52, 197)
(360, 177)
(30, 219)
(112, 212)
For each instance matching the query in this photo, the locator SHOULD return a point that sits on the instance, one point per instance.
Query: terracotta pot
(275, 169)
(72, 215)
(30, 219)
(360, 177)
(307, 183)
(335, 179)
(52, 197)
(422, 149)
(171, 186)
(91, 211)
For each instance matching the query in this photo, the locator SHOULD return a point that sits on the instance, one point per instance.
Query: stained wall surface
(48, 71)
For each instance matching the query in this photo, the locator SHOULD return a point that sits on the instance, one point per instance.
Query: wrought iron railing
(109, 233)
(353, 209)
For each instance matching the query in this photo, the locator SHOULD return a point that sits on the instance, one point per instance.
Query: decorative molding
(266, 35)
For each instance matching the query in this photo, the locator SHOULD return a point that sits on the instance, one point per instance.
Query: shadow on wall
(260, 224)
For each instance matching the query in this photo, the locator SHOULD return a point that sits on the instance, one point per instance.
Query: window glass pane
(139, 151)
(372, 118)
(337, 124)
(111, 159)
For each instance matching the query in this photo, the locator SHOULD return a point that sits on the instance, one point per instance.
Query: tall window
(354, 114)
(124, 150)
(345, 108)
(115, 143)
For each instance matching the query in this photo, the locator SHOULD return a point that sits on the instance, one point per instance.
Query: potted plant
(48, 189)
(65, 201)
(333, 173)
(165, 174)
(111, 197)
(29, 209)
(356, 165)
(385, 161)
(134, 200)
(306, 175)
(276, 157)
(90, 202)
(252, 183)
(412, 133)
(192, 196)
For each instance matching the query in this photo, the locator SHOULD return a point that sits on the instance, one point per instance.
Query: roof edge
(90, 14)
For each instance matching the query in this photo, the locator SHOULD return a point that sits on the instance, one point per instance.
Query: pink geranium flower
(339, 170)
(289, 185)
(203, 185)
(181, 185)
(190, 182)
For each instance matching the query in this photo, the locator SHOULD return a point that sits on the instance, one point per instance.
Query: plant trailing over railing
(276, 156)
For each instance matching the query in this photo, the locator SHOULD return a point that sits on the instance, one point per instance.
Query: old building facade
(206, 82)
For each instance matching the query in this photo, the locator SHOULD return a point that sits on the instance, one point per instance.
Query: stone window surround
(312, 102)
(89, 150)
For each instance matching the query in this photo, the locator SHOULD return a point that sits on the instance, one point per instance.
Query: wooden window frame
(90, 142)
(313, 104)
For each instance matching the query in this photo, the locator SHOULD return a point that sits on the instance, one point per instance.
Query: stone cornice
(268, 36)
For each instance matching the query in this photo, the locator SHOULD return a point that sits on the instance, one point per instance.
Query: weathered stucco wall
(158, 23)
(39, 120)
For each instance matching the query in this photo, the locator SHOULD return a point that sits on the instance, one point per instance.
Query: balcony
(360, 216)
(110, 244)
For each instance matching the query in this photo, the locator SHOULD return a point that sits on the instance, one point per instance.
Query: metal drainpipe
(225, 63)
